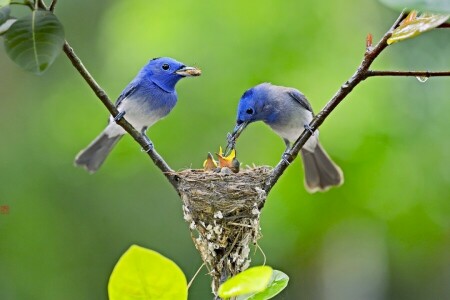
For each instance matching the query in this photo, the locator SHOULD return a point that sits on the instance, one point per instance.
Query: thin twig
(195, 275)
(52, 5)
(427, 74)
(262, 252)
(40, 4)
(345, 89)
(239, 224)
(101, 94)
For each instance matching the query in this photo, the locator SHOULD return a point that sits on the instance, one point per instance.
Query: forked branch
(361, 74)
(216, 245)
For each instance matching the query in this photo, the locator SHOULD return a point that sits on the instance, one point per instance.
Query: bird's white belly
(294, 129)
(136, 115)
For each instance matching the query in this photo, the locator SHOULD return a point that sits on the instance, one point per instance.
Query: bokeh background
(385, 234)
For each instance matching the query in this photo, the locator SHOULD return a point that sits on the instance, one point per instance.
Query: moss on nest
(223, 216)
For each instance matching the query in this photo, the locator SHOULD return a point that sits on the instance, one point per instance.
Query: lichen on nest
(223, 215)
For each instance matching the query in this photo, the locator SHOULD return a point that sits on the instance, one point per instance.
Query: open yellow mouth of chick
(230, 161)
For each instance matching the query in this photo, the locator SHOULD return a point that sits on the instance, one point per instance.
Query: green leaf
(277, 283)
(250, 281)
(413, 26)
(34, 41)
(436, 6)
(4, 3)
(143, 274)
(4, 14)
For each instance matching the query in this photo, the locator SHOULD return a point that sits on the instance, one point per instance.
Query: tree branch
(100, 93)
(346, 88)
(185, 186)
(426, 74)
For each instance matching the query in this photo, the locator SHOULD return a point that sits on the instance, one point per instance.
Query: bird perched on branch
(148, 98)
(288, 113)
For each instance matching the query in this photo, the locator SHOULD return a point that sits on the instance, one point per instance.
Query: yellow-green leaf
(143, 274)
(34, 41)
(277, 283)
(416, 26)
(250, 281)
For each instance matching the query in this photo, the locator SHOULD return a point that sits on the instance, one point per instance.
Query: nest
(223, 216)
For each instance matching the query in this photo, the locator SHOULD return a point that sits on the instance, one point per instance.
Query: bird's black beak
(238, 129)
(188, 71)
(240, 126)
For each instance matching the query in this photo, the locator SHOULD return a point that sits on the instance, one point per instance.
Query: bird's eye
(249, 111)
(165, 67)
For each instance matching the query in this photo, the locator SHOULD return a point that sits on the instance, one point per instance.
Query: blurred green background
(385, 234)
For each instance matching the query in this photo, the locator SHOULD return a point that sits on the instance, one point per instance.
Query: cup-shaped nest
(223, 213)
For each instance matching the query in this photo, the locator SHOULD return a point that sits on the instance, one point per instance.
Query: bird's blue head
(165, 72)
(252, 107)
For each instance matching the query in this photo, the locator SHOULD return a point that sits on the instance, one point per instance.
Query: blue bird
(288, 113)
(148, 98)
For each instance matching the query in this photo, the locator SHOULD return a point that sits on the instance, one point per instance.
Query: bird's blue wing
(300, 99)
(129, 90)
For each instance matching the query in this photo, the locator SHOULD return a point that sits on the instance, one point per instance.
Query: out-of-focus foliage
(414, 25)
(4, 3)
(145, 274)
(437, 6)
(385, 233)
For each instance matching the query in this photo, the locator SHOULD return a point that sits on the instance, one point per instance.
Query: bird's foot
(309, 128)
(119, 116)
(149, 147)
(286, 156)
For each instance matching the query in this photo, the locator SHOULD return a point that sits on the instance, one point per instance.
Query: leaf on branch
(277, 283)
(435, 6)
(4, 3)
(34, 41)
(145, 274)
(414, 25)
(250, 281)
(409, 18)
(4, 14)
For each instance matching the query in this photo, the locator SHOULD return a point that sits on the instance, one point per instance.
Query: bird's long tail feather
(92, 157)
(321, 172)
